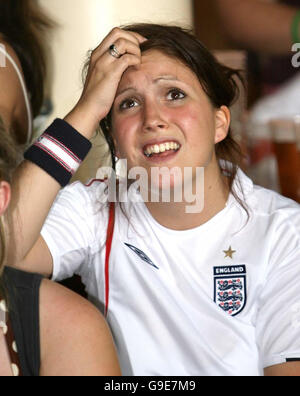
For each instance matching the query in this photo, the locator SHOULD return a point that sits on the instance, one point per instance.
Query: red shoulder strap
(109, 238)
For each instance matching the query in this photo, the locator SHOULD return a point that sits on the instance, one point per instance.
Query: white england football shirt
(220, 299)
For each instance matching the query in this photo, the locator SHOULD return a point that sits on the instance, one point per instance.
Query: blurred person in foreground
(45, 329)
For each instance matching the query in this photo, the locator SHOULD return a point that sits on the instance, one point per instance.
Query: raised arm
(259, 25)
(34, 190)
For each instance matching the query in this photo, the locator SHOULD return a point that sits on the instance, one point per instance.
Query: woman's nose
(154, 119)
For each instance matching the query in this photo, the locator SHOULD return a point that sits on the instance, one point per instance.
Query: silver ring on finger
(114, 51)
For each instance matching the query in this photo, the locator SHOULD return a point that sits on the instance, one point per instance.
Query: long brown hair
(218, 82)
(23, 24)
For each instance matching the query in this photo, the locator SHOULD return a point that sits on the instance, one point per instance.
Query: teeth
(161, 148)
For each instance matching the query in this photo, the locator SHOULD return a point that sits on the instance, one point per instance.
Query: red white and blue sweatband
(59, 151)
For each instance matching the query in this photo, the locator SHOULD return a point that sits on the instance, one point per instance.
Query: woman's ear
(5, 195)
(223, 119)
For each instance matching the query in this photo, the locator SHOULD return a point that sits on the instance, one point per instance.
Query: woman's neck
(187, 215)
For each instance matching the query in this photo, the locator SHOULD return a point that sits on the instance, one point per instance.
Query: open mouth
(161, 150)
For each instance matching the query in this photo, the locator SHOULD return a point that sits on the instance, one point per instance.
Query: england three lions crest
(230, 291)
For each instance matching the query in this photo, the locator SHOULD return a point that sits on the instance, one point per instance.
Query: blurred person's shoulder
(61, 309)
(69, 325)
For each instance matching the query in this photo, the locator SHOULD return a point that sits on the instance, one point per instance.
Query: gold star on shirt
(229, 252)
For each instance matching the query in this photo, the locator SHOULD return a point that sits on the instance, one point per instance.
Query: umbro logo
(142, 255)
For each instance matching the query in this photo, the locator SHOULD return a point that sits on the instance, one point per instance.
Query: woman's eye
(175, 94)
(128, 104)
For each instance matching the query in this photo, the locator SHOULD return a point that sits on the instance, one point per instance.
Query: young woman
(185, 291)
(22, 64)
(44, 328)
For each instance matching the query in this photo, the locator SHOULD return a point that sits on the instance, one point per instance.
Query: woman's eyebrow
(131, 88)
(155, 81)
(166, 77)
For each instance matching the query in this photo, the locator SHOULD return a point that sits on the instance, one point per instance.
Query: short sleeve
(278, 319)
(73, 227)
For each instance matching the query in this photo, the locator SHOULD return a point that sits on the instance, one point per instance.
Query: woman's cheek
(187, 118)
(125, 132)
(122, 128)
(124, 125)
(194, 122)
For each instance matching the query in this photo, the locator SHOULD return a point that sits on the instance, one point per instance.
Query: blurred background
(252, 35)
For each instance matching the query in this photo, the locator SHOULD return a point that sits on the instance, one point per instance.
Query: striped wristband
(59, 151)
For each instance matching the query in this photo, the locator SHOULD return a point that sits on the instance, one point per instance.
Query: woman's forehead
(156, 66)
